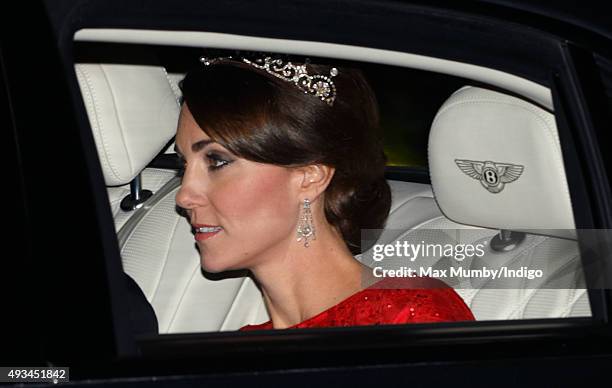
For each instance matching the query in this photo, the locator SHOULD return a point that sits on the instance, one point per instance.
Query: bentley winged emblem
(493, 176)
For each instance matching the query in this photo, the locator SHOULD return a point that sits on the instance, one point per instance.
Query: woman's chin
(208, 267)
(212, 266)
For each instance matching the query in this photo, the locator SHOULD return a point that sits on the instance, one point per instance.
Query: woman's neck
(308, 281)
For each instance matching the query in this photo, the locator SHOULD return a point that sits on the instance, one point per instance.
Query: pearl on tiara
(320, 86)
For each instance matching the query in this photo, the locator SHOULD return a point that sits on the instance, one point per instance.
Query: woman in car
(283, 168)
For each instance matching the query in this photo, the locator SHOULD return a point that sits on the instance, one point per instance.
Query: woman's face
(250, 209)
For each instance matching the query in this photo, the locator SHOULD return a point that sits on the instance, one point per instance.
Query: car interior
(133, 109)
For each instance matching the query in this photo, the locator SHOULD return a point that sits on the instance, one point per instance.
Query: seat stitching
(174, 88)
(118, 118)
(530, 295)
(570, 305)
(405, 202)
(107, 160)
(169, 241)
(178, 306)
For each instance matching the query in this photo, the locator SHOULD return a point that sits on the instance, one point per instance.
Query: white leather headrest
(133, 113)
(495, 162)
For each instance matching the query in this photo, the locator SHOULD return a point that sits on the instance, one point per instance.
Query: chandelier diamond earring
(306, 229)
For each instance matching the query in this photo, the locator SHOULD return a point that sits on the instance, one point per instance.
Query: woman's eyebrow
(197, 146)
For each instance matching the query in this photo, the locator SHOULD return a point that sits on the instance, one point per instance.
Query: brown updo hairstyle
(264, 119)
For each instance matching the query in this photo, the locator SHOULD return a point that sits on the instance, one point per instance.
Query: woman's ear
(314, 179)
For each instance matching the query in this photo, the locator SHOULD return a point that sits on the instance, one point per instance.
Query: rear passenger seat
(159, 252)
(481, 125)
(133, 112)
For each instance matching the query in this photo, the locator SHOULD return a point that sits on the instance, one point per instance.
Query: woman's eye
(216, 162)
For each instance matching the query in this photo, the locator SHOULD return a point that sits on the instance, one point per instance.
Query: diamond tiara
(318, 85)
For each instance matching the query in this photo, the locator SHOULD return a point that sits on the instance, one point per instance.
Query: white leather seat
(132, 110)
(481, 125)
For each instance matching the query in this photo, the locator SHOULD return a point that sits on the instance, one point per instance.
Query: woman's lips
(203, 232)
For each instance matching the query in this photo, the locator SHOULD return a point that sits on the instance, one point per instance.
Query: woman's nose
(190, 194)
(183, 198)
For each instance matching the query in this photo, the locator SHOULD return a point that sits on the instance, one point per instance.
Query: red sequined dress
(391, 301)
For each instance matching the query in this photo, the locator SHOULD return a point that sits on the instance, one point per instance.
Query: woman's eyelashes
(216, 161)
